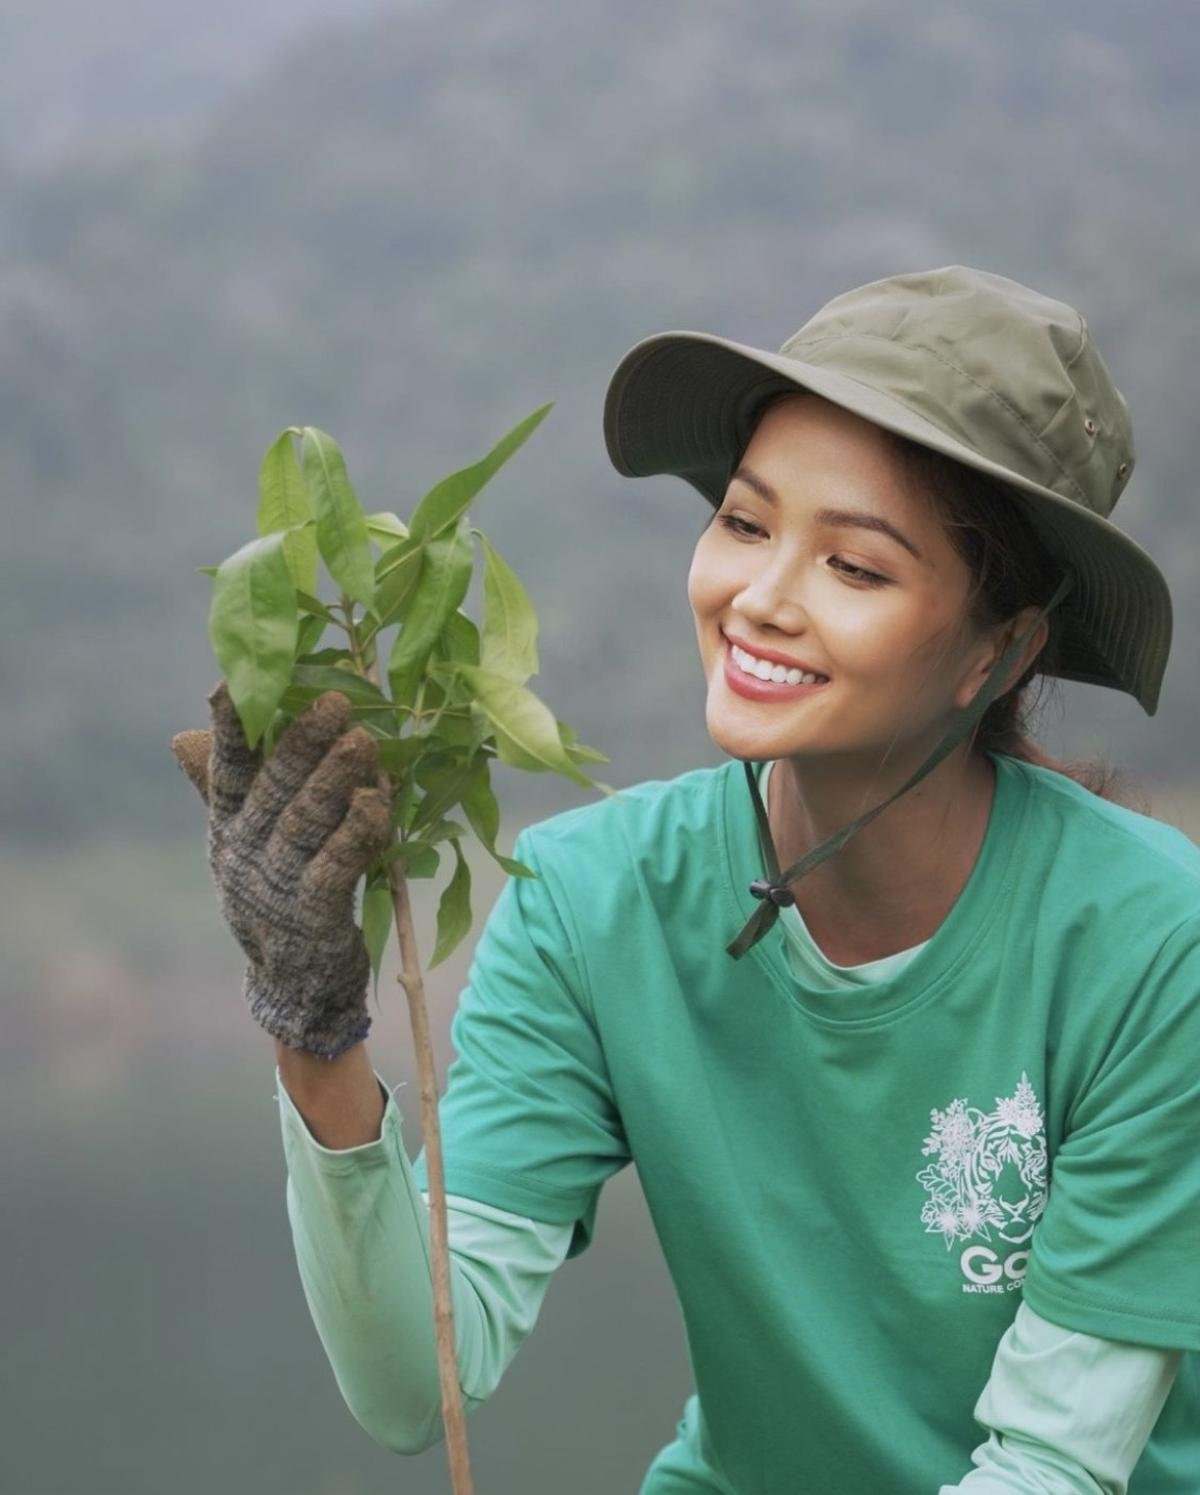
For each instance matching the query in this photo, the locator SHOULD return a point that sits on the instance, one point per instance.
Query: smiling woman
(903, 496)
(920, 1142)
(1007, 566)
(827, 562)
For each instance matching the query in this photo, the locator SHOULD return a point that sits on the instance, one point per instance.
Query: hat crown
(997, 366)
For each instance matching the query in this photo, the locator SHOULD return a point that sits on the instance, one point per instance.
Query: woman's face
(875, 606)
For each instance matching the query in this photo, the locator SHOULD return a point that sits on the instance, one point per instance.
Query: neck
(892, 884)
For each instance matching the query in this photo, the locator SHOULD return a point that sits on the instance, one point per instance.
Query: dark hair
(1010, 569)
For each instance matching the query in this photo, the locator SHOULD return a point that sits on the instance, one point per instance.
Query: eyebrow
(850, 518)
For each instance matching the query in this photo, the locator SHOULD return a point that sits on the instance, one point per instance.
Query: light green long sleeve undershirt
(1066, 1413)
(360, 1227)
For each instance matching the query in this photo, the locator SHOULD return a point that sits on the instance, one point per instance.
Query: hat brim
(684, 403)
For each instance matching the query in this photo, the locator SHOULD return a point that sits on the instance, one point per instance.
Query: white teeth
(764, 670)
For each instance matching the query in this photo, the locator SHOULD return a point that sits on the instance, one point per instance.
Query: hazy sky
(77, 75)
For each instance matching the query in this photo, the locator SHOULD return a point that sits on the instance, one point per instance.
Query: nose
(770, 599)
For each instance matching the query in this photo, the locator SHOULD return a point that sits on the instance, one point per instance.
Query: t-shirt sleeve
(528, 1119)
(1117, 1252)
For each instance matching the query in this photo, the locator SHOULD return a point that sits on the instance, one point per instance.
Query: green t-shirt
(853, 1187)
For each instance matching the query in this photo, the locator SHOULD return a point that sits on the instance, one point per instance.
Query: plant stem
(453, 1420)
(356, 651)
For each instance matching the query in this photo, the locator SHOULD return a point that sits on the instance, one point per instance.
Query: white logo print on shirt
(990, 1175)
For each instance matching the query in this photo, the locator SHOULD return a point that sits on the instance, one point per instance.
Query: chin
(744, 739)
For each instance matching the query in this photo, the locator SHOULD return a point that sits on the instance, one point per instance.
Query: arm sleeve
(1066, 1413)
(529, 1122)
(360, 1229)
(1114, 1254)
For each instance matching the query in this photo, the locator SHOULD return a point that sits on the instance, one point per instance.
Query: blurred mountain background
(411, 225)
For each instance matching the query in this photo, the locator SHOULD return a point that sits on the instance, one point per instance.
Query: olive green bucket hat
(974, 365)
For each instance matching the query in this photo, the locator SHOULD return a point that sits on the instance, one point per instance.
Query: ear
(993, 647)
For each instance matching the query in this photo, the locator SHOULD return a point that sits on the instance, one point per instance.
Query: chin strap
(773, 890)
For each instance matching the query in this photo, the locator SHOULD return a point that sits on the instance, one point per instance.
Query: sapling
(455, 700)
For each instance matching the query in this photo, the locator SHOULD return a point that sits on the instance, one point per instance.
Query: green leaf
(461, 726)
(310, 634)
(279, 722)
(252, 625)
(315, 606)
(444, 788)
(444, 830)
(483, 812)
(386, 528)
(378, 915)
(398, 754)
(454, 909)
(419, 858)
(448, 499)
(396, 577)
(447, 695)
(308, 681)
(284, 503)
(526, 729)
(443, 584)
(479, 802)
(325, 656)
(460, 639)
(480, 730)
(341, 524)
(402, 806)
(207, 570)
(578, 750)
(509, 643)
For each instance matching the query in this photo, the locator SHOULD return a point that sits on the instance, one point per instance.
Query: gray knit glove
(288, 840)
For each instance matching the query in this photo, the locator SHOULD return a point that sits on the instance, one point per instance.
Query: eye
(871, 578)
(731, 521)
(744, 529)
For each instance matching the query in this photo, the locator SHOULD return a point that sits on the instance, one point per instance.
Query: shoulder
(656, 826)
(1108, 857)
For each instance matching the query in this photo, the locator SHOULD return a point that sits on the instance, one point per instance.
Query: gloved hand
(288, 840)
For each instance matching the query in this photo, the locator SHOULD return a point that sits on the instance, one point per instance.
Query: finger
(312, 814)
(192, 749)
(297, 753)
(232, 764)
(365, 832)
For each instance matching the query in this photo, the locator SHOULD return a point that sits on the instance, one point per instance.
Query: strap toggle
(781, 896)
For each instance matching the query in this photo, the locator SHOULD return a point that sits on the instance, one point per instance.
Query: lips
(772, 656)
(755, 689)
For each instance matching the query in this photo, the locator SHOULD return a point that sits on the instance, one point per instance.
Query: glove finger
(366, 831)
(192, 749)
(232, 764)
(315, 811)
(297, 754)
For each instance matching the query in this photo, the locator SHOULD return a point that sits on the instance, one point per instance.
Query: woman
(919, 1143)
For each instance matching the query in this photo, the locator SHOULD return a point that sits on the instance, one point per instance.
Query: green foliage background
(415, 232)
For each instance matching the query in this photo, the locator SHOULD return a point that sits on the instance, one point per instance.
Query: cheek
(868, 632)
(898, 648)
(707, 583)
(874, 635)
